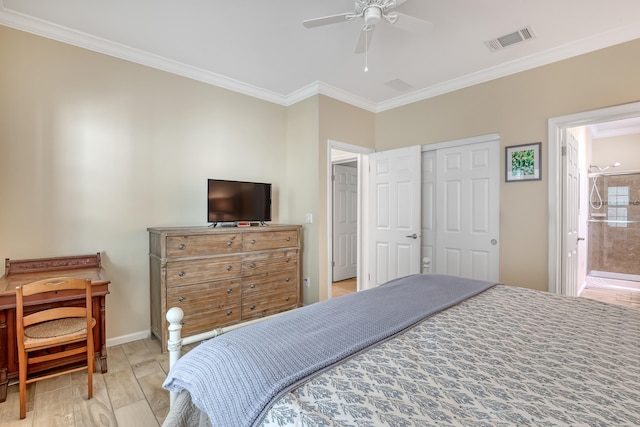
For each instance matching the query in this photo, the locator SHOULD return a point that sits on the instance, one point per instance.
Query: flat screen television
(232, 201)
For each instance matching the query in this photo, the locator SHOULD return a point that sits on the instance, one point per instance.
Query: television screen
(230, 201)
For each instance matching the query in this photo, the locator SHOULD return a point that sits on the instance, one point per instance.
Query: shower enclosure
(614, 224)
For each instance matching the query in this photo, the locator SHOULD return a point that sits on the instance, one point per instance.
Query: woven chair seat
(56, 328)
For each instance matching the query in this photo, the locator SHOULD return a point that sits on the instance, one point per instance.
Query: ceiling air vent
(510, 39)
(399, 85)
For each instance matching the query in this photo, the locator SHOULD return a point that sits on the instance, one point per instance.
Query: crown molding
(100, 45)
(586, 45)
(56, 32)
(320, 88)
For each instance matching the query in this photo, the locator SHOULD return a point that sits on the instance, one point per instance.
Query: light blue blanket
(234, 378)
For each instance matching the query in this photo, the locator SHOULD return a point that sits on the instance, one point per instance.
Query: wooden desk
(19, 272)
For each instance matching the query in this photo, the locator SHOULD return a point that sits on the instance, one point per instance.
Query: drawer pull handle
(229, 267)
(286, 260)
(229, 313)
(252, 307)
(287, 298)
(288, 239)
(252, 286)
(182, 246)
(252, 265)
(229, 290)
(181, 299)
(287, 279)
(253, 241)
(181, 274)
(229, 243)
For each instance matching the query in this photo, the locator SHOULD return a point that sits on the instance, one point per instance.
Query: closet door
(468, 211)
(394, 214)
(429, 171)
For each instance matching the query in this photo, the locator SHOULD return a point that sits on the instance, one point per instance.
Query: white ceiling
(615, 128)
(261, 48)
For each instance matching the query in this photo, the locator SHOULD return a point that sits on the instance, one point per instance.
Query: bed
(420, 350)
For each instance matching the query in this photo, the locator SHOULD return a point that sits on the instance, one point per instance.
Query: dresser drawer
(258, 241)
(205, 304)
(269, 282)
(180, 273)
(269, 261)
(205, 244)
(258, 305)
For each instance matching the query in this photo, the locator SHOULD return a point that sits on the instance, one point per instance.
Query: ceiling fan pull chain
(366, 51)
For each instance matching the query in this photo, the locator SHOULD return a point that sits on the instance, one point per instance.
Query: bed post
(174, 344)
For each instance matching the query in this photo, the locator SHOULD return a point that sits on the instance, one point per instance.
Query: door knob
(412, 236)
(580, 238)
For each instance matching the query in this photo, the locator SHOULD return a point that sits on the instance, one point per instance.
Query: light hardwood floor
(131, 393)
(343, 287)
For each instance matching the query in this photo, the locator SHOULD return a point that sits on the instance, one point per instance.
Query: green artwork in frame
(523, 162)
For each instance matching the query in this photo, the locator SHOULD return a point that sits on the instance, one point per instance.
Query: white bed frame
(175, 342)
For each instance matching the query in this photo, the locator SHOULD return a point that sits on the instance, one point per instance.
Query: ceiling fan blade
(411, 23)
(326, 20)
(364, 40)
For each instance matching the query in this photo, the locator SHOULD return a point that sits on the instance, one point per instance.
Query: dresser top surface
(213, 230)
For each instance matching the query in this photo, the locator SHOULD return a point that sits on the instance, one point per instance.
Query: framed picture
(523, 162)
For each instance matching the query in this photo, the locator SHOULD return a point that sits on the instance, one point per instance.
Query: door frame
(555, 127)
(360, 155)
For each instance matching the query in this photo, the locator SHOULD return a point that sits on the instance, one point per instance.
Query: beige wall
(518, 107)
(339, 122)
(302, 181)
(93, 150)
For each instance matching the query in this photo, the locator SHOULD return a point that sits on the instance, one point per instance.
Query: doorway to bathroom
(569, 216)
(609, 211)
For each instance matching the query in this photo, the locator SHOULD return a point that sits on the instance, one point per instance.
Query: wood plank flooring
(131, 393)
(343, 287)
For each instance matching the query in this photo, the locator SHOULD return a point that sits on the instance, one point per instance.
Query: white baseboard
(582, 288)
(123, 339)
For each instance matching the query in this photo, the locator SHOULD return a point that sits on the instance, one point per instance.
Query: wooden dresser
(222, 276)
(19, 272)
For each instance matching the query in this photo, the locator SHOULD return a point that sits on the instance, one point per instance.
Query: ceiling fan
(371, 12)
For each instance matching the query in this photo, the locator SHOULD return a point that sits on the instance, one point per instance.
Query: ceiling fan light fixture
(372, 16)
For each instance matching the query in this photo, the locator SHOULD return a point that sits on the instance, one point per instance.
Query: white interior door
(467, 211)
(570, 201)
(429, 170)
(345, 222)
(394, 214)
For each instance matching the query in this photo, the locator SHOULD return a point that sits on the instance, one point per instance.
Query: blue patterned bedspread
(507, 357)
(234, 378)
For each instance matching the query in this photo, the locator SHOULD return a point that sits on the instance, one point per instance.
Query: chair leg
(23, 387)
(90, 368)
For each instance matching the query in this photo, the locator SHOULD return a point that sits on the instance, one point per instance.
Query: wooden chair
(45, 335)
